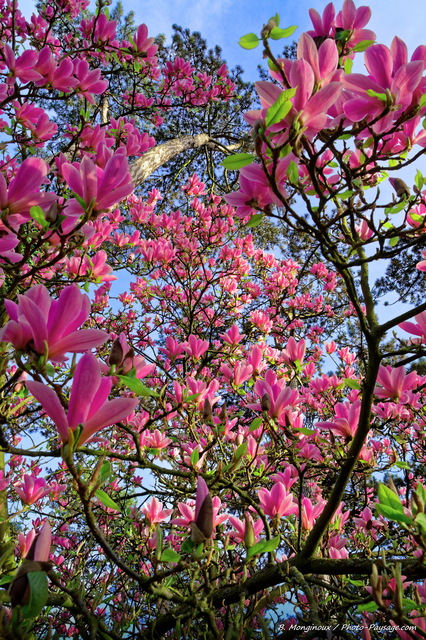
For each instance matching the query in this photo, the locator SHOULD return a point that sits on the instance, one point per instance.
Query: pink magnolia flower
(387, 76)
(4, 482)
(89, 405)
(32, 489)
(99, 188)
(417, 328)
(154, 439)
(89, 82)
(243, 529)
(346, 422)
(281, 398)
(310, 513)
(294, 351)
(154, 511)
(23, 191)
(36, 546)
(49, 327)
(277, 502)
(196, 347)
(395, 382)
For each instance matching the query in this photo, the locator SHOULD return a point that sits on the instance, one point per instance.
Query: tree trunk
(143, 167)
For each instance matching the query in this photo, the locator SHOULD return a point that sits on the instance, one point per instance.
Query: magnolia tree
(198, 438)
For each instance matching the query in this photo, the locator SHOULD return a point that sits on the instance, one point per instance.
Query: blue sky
(223, 22)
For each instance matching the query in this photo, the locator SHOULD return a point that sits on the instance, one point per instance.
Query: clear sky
(223, 22)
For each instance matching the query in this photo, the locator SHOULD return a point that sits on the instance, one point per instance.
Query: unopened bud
(249, 535)
(52, 213)
(223, 415)
(265, 402)
(402, 190)
(116, 353)
(207, 411)
(202, 528)
(267, 28)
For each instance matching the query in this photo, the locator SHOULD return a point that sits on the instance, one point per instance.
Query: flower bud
(207, 411)
(249, 535)
(116, 354)
(265, 402)
(402, 190)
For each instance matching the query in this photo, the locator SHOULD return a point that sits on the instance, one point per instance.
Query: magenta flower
(32, 489)
(202, 525)
(346, 421)
(36, 546)
(196, 347)
(310, 512)
(154, 512)
(89, 405)
(89, 82)
(388, 76)
(245, 529)
(99, 188)
(395, 382)
(281, 398)
(277, 502)
(417, 328)
(49, 327)
(23, 191)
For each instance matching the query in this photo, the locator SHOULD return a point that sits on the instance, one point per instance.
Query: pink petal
(51, 405)
(87, 377)
(112, 412)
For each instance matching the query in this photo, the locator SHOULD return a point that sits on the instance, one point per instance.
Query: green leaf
(370, 606)
(277, 33)
(169, 555)
(255, 220)
(105, 471)
(237, 161)
(137, 387)
(402, 465)
(241, 450)
(255, 424)
(374, 94)
(416, 217)
(362, 46)
(389, 498)
(420, 520)
(419, 180)
(422, 101)
(38, 594)
(293, 172)
(305, 431)
(187, 546)
(394, 241)
(37, 214)
(348, 65)
(352, 384)
(249, 41)
(264, 546)
(195, 456)
(280, 108)
(396, 209)
(106, 500)
(345, 194)
(393, 514)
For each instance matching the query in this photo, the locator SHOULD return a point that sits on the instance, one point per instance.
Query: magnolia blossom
(154, 512)
(32, 489)
(89, 405)
(277, 502)
(49, 327)
(23, 191)
(99, 188)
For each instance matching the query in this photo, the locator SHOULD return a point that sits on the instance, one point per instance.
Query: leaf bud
(265, 402)
(116, 354)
